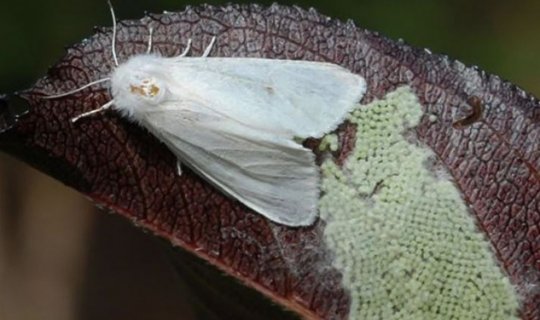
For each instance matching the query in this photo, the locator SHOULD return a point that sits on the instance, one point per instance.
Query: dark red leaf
(125, 169)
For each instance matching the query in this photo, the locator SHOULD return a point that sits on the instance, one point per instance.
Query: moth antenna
(151, 32)
(55, 96)
(209, 48)
(113, 45)
(186, 50)
(86, 114)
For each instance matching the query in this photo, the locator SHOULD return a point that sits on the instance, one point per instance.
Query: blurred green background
(60, 259)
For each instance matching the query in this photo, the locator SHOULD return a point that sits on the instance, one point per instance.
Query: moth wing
(274, 176)
(285, 97)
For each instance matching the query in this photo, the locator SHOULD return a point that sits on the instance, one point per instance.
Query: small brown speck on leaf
(476, 113)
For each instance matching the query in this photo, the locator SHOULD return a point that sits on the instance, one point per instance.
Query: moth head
(139, 85)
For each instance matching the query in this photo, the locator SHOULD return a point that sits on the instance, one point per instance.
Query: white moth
(236, 121)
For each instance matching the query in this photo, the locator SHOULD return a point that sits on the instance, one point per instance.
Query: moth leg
(209, 48)
(179, 168)
(91, 112)
(186, 50)
(150, 34)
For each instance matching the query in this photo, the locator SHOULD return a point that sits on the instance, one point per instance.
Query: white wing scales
(276, 177)
(300, 98)
(233, 121)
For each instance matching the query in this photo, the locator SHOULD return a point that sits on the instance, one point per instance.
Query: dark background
(62, 259)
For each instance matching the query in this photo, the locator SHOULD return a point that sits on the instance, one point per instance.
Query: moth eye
(147, 88)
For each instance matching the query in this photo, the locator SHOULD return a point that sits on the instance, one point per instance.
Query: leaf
(486, 134)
